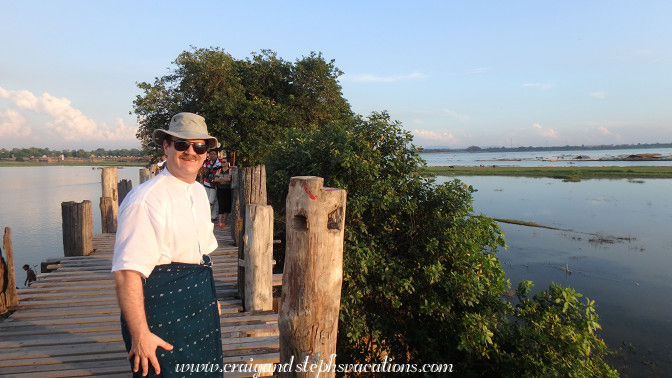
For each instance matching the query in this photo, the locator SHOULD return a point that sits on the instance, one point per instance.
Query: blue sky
(456, 74)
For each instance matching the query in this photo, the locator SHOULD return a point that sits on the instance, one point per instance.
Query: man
(211, 168)
(161, 268)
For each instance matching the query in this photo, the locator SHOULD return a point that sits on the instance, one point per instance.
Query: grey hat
(186, 126)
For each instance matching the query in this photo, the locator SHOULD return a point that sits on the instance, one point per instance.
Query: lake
(31, 198)
(545, 158)
(619, 249)
(614, 247)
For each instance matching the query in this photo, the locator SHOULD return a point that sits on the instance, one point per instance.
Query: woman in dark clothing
(223, 181)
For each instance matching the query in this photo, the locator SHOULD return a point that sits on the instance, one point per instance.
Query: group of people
(216, 178)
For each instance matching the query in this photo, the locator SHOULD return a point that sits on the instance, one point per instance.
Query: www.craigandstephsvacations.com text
(313, 366)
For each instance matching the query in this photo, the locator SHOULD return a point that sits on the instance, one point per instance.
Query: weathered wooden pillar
(154, 170)
(123, 188)
(108, 201)
(234, 218)
(258, 242)
(313, 274)
(251, 190)
(108, 215)
(77, 228)
(8, 296)
(144, 175)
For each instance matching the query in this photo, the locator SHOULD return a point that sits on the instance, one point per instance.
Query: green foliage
(421, 281)
(554, 337)
(248, 104)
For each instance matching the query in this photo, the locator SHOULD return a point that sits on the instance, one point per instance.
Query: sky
(454, 73)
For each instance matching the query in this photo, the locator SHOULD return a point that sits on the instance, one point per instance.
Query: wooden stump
(313, 274)
(251, 190)
(258, 241)
(234, 218)
(154, 170)
(8, 296)
(144, 175)
(108, 215)
(108, 201)
(77, 228)
(123, 188)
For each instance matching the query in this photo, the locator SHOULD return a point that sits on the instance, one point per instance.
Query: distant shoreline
(72, 164)
(476, 149)
(564, 173)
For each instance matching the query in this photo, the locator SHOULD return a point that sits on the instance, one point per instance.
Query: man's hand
(144, 351)
(132, 304)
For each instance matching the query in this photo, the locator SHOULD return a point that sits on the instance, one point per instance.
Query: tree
(247, 103)
(421, 281)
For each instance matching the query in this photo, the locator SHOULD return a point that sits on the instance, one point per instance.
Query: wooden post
(77, 228)
(313, 274)
(251, 190)
(154, 170)
(258, 241)
(108, 201)
(234, 218)
(8, 296)
(108, 216)
(123, 188)
(144, 175)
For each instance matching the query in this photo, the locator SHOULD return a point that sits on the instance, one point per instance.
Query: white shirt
(163, 220)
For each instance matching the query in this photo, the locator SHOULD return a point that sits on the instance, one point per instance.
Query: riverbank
(73, 164)
(564, 173)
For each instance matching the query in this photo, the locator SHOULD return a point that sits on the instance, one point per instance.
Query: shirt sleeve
(137, 244)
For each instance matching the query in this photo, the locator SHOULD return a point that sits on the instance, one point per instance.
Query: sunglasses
(183, 145)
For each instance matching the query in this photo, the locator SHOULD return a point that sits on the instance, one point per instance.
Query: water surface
(31, 198)
(614, 247)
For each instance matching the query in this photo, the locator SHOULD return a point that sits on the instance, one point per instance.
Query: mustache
(186, 156)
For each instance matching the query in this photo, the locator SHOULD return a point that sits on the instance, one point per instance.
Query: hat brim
(159, 135)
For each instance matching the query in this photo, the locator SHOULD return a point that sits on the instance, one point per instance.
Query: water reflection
(616, 252)
(31, 205)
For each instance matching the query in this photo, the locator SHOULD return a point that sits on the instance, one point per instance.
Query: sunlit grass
(563, 173)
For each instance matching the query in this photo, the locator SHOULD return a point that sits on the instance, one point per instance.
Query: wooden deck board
(67, 323)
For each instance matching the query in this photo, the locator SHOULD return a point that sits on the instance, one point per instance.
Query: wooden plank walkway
(67, 323)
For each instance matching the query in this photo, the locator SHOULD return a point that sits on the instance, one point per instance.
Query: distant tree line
(81, 153)
(552, 148)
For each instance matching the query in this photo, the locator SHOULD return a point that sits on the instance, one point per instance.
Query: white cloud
(63, 121)
(368, 78)
(13, 124)
(604, 130)
(546, 132)
(541, 86)
(119, 132)
(600, 95)
(424, 137)
(23, 99)
(460, 117)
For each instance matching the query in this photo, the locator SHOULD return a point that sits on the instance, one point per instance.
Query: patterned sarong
(181, 308)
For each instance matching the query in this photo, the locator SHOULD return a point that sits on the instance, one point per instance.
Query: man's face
(183, 164)
(213, 155)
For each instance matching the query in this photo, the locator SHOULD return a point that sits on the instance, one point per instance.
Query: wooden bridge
(67, 323)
